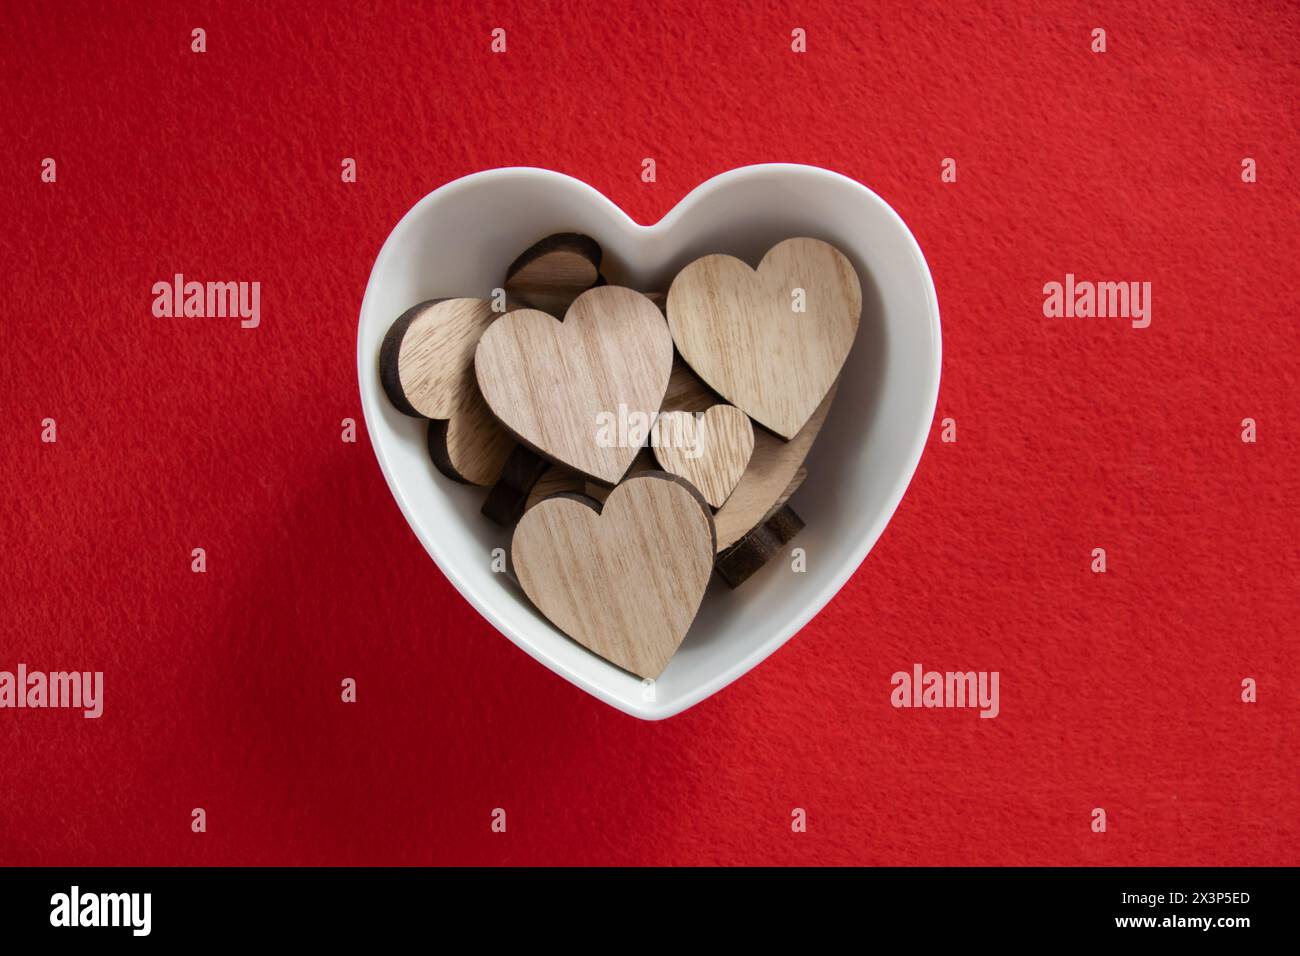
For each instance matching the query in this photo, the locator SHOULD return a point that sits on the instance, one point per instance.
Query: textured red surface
(1119, 691)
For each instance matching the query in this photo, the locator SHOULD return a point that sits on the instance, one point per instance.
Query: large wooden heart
(624, 579)
(769, 341)
(564, 388)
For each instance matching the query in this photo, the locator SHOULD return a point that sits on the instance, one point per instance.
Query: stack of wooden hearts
(634, 441)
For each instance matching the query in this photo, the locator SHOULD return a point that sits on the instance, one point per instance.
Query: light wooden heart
(710, 449)
(772, 467)
(426, 365)
(742, 332)
(624, 579)
(773, 464)
(558, 385)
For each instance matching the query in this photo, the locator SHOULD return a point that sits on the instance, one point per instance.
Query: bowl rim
(482, 602)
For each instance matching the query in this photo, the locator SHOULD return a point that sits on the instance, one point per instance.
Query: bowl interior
(458, 240)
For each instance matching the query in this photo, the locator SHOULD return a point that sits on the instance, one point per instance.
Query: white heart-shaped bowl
(458, 241)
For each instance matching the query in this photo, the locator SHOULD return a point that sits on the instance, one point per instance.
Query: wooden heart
(743, 333)
(765, 541)
(710, 449)
(773, 464)
(624, 579)
(551, 273)
(772, 467)
(563, 387)
(426, 365)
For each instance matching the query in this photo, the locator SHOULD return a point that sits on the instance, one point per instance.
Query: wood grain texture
(426, 361)
(624, 579)
(426, 365)
(471, 446)
(800, 476)
(772, 466)
(552, 384)
(738, 328)
(508, 497)
(710, 449)
(551, 273)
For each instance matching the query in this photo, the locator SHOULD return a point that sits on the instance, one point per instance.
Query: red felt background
(1119, 691)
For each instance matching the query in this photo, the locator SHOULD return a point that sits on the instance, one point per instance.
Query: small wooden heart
(769, 341)
(710, 449)
(563, 387)
(624, 579)
(426, 365)
(773, 463)
(550, 274)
